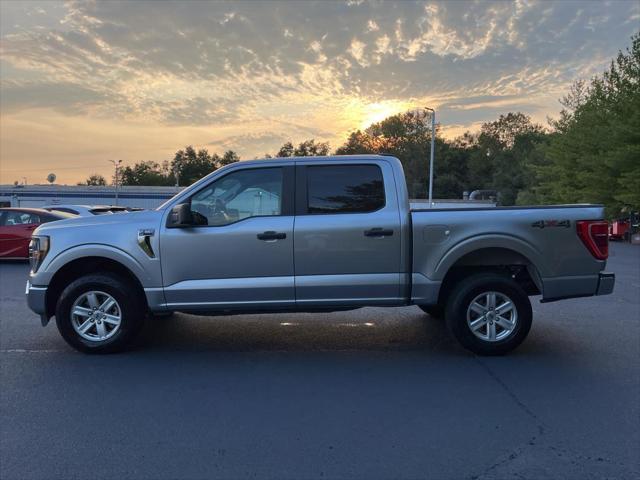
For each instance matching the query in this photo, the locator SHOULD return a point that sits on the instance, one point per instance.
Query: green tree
(145, 173)
(286, 150)
(595, 154)
(95, 180)
(229, 157)
(308, 148)
(189, 165)
(500, 161)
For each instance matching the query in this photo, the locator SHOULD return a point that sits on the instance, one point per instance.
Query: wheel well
(500, 260)
(82, 266)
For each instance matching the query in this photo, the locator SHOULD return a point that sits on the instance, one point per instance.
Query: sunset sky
(85, 82)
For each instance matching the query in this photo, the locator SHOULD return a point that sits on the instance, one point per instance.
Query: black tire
(460, 301)
(132, 312)
(434, 311)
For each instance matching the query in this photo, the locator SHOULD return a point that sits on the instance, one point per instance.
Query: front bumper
(606, 282)
(36, 300)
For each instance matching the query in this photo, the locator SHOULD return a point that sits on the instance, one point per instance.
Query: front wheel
(489, 314)
(99, 313)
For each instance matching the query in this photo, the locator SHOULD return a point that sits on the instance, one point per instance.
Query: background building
(40, 195)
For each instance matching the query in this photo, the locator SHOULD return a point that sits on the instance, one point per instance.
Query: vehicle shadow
(363, 329)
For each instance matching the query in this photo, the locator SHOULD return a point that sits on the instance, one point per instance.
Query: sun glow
(360, 114)
(378, 111)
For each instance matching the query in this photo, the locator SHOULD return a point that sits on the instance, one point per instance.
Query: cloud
(310, 68)
(356, 49)
(263, 141)
(62, 97)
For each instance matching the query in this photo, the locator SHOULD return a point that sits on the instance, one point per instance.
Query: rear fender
(507, 242)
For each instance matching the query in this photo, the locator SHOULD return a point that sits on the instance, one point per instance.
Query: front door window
(239, 195)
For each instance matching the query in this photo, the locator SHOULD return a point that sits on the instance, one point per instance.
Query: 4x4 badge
(551, 223)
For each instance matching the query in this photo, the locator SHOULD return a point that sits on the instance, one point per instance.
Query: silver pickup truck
(310, 234)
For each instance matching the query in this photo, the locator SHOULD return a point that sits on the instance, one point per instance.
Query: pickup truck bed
(541, 238)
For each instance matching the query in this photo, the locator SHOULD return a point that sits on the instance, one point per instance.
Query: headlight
(38, 249)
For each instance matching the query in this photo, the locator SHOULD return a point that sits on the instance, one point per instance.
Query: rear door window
(344, 189)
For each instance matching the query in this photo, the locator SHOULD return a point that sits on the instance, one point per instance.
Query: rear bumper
(575, 287)
(606, 282)
(36, 300)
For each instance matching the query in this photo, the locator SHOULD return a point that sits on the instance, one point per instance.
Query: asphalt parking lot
(373, 393)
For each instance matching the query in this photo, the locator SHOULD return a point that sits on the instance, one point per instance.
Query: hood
(141, 218)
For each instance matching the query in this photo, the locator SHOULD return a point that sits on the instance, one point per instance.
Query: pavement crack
(512, 456)
(512, 395)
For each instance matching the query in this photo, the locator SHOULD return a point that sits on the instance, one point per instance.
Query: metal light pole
(433, 149)
(116, 164)
(176, 173)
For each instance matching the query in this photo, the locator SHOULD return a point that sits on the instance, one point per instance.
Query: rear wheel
(489, 314)
(99, 313)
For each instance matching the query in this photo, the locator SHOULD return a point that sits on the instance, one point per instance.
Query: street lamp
(433, 148)
(176, 173)
(116, 165)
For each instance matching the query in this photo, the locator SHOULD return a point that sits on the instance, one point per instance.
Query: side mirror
(180, 216)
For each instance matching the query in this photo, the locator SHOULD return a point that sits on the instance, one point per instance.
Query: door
(240, 255)
(16, 228)
(347, 235)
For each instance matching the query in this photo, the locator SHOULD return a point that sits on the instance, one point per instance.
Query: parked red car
(620, 230)
(17, 225)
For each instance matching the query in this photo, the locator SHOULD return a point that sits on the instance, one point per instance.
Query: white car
(89, 210)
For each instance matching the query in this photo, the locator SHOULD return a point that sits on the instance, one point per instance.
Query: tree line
(188, 165)
(591, 153)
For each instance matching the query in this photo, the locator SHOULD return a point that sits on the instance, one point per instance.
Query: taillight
(595, 236)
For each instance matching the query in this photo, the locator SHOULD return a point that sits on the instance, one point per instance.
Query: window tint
(344, 189)
(239, 195)
(19, 218)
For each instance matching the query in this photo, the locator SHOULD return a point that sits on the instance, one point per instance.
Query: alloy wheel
(492, 316)
(96, 316)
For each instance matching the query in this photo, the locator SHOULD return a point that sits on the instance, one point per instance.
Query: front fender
(47, 271)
